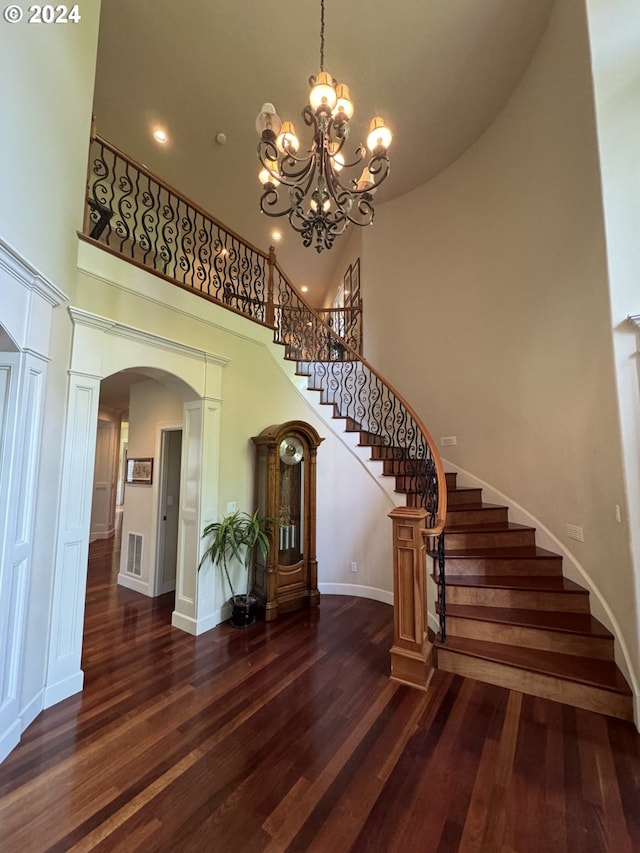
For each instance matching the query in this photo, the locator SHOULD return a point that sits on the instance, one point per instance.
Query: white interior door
(169, 507)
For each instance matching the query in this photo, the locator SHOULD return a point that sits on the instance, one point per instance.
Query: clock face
(291, 450)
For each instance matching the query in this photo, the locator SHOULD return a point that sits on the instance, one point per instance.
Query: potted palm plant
(237, 537)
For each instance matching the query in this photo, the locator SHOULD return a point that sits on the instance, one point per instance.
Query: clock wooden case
(287, 578)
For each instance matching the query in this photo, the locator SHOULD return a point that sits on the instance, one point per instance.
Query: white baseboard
(195, 627)
(10, 739)
(106, 534)
(133, 583)
(31, 711)
(372, 592)
(60, 691)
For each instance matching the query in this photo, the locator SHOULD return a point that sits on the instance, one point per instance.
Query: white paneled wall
(29, 299)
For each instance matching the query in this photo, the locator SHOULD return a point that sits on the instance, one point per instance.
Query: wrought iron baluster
(442, 588)
(123, 222)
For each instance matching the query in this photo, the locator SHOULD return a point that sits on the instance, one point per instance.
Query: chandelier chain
(321, 35)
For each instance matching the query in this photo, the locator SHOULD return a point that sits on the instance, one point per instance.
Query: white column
(22, 389)
(64, 675)
(195, 607)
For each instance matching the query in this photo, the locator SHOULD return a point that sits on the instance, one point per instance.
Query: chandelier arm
(268, 154)
(379, 168)
(364, 209)
(292, 179)
(268, 200)
(379, 164)
(360, 155)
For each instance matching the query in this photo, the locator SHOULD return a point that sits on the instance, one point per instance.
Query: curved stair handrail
(136, 215)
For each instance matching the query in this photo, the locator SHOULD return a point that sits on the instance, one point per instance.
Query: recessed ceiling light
(276, 235)
(304, 288)
(160, 135)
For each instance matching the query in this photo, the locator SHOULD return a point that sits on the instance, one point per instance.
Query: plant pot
(244, 609)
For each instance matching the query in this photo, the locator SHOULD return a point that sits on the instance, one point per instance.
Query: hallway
(290, 736)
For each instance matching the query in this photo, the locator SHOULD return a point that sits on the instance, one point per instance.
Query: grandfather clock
(287, 578)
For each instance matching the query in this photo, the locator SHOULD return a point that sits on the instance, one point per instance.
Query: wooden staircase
(514, 620)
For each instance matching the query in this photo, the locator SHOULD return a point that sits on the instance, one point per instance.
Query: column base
(411, 668)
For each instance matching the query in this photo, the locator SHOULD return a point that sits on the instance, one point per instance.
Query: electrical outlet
(354, 567)
(448, 440)
(575, 532)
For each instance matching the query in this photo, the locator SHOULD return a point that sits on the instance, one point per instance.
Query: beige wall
(152, 407)
(615, 46)
(491, 282)
(45, 100)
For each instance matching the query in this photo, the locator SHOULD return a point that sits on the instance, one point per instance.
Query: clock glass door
(291, 502)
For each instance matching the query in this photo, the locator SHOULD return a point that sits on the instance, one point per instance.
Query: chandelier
(320, 203)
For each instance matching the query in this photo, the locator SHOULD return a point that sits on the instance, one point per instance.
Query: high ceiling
(438, 71)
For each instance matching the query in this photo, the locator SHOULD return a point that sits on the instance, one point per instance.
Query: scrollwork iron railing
(345, 322)
(135, 215)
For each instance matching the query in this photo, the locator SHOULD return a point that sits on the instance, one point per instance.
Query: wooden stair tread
(474, 507)
(498, 527)
(575, 623)
(510, 553)
(601, 674)
(536, 583)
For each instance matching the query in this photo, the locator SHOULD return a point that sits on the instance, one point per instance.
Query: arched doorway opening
(194, 378)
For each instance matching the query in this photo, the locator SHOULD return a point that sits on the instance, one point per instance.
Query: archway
(102, 347)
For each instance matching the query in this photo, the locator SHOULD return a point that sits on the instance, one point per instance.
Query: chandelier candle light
(320, 205)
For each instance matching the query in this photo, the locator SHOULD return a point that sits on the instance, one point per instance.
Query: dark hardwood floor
(290, 737)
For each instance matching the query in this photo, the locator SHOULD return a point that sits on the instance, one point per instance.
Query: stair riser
(532, 638)
(410, 484)
(521, 599)
(393, 467)
(398, 467)
(415, 500)
(462, 498)
(476, 516)
(545, 567)
(379, 452)
(547, 687)
(369, 439)
(491, 539)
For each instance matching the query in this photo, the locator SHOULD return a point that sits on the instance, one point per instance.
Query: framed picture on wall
(140, 471)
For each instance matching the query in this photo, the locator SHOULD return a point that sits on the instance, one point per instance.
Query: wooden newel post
(411, 651)
(270, 315)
